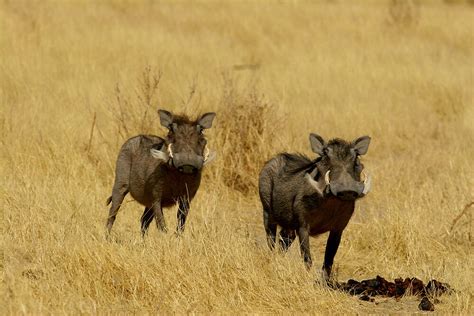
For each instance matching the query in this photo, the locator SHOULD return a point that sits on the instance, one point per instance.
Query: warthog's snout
(348, 189)
(187, 169)
(188, 163)
(346, 193)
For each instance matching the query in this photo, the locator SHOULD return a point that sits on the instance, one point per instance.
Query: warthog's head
(338, 169)
(185, 145)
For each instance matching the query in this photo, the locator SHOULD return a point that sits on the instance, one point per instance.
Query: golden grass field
(77, 79)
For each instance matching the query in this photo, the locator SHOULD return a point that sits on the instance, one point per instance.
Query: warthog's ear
(317, 143)
(166, 118)
(206, 120)
(361, 145)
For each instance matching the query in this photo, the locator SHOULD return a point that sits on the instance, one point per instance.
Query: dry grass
(274, 72)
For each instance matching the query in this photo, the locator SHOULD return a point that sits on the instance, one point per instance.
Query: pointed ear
(206, 120)
(166, 118)
(361, 145)
(317, 143)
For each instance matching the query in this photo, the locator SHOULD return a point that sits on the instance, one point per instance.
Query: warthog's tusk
(170, 151)
(209, 155)
(326, 177)
(367, 183)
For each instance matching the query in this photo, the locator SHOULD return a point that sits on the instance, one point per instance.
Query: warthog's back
(142, 165)
(282, 184)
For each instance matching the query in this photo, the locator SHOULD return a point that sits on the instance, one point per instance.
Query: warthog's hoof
(426, 305)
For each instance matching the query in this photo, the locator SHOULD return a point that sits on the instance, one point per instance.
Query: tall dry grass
(78, 78)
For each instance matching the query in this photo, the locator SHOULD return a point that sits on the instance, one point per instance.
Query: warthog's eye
(173, 127)
(357, 165)
(200, 130)
(325, 151)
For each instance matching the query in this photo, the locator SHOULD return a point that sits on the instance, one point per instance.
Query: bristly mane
(341, 148)
(299, 162)
(182, 119)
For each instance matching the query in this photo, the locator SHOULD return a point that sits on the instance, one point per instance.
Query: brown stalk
(91, 134)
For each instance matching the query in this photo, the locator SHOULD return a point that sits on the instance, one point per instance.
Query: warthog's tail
(108, 200)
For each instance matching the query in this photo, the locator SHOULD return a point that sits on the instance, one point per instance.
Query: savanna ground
(79, 77)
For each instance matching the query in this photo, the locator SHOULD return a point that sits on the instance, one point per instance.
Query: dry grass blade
(460, 215)
(91, 134)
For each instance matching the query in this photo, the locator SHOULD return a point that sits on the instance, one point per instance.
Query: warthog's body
(311, 197)
(149, 179)
(161, 172)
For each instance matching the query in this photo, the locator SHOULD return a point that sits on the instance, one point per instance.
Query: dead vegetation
(248, 123)
(404, 13)
(134, 108)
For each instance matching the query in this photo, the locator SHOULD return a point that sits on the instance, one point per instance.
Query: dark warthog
(308, 197)
(162, 172)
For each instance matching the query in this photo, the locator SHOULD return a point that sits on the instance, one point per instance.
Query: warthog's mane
(183, 119)
(340, 148)
(296, 163)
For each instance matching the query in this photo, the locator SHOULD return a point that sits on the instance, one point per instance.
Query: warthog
(162, 172)
(311, 197)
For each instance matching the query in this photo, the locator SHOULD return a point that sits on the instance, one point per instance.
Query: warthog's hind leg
(121, 186)
(270, 229)
(118, 195)
(303, 236)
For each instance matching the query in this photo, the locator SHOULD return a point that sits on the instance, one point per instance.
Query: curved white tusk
(367, 183)
(170, 151)
(326, 177)
(210, 157)
(206, 154)
(314, 184)
(160, 155)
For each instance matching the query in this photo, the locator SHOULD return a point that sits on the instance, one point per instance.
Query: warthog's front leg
(303, 235)
(146, 219)
(153, 212)
(183, 210)
(331, 248)
(287, 236)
